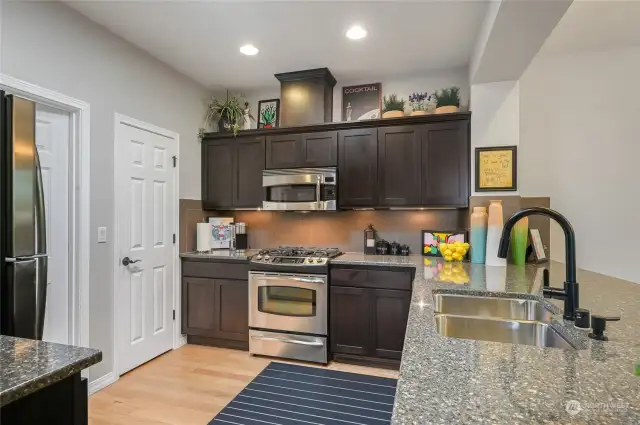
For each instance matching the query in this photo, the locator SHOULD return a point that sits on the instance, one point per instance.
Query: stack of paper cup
(203, 237)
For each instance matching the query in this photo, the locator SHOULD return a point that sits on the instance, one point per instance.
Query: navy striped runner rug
(286, 394)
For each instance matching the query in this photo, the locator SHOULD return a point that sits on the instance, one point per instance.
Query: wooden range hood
(306, 97)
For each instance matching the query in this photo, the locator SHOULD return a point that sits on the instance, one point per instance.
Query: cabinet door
(198, 301)
(218, 159)
(282, 151)
(399, 166)
(389, 312)
(358, 168)
(319, 149)
(247, 178)
(231, 309)
(445, 159)
(349, 321)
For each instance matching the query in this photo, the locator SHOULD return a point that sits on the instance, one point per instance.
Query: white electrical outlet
(102, 235)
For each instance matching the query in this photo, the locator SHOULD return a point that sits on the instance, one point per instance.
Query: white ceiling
(201, 38)
(596, 25)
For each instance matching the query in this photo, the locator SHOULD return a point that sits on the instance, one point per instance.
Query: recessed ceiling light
(356, 32)
(249, 50)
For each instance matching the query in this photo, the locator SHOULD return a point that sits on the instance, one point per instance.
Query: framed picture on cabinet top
(362, 102)
(268, 113)
(496, 168)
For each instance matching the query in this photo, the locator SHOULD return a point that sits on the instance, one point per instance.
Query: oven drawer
(288, 346)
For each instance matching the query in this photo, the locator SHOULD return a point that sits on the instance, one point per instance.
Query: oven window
(292, 193)
(287, 301)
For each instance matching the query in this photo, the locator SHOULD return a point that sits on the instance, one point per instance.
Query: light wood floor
(188, 386)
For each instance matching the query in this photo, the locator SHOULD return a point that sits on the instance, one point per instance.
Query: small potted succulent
(447, 100)
(229, 112)
(419, 103)
(393, 107)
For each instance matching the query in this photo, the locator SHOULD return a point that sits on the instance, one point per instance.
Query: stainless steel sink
(502, 308)
(498, 330)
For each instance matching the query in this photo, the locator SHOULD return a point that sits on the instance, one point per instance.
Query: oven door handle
(288, 341)
(297, 279)
(319, 192)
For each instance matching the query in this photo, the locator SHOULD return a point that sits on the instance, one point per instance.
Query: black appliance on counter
(23, 250)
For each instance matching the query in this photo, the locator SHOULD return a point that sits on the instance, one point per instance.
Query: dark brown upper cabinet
(444, 164)
(303, 150)
(399, 166)
(282, 151)
(358, 168)
(232, 172)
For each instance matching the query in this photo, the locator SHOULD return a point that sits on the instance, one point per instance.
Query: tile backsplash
(345, 229)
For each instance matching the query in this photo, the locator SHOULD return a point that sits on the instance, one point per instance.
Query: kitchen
(301, 287)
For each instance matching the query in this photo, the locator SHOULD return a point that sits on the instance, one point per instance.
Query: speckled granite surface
(455, 381)
(27, 365)
(222, 254)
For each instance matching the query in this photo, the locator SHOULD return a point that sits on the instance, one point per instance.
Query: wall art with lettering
(362, 102)
(496, 168)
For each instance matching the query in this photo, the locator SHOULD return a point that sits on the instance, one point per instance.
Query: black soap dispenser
(370, 240)
(599, 324)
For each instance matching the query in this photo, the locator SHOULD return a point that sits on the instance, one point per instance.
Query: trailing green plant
(448, 97)
(230, 111)
(392, 103)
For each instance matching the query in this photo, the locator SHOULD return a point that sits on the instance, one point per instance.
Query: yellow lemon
(443, 247)
(466, 245)
(448, 257)
(447, 252)
(460, 250)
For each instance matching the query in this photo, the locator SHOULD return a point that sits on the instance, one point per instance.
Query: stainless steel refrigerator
(23, 251)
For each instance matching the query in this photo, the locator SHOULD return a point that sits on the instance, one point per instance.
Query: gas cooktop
(298, 255)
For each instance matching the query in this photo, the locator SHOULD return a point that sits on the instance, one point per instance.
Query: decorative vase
(478, 234)
(430, 108)
(446, 109)
(393, 114)
(416, 113)
(494, 233)
(518, 244)
(247, 120)
(224, 124)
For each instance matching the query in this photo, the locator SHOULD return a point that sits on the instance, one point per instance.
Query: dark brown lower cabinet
(368, 325)
(216, 311)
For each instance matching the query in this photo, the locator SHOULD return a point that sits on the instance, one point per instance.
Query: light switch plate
(102, 235)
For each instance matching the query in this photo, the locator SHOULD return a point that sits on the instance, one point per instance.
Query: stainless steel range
(288, 294)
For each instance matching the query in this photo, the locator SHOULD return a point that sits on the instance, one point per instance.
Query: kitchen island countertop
(28, 365)
(459, 381)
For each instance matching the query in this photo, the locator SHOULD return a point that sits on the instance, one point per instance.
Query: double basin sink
(510, 320)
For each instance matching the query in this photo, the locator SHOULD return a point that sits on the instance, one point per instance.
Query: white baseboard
(102, 382)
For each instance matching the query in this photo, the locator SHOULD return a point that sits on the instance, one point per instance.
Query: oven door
(288, 302)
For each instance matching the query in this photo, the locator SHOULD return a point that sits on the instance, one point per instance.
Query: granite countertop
(27, 365)
(222, 254)
(456, 381)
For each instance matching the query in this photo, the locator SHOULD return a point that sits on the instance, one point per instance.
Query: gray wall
(51, 45)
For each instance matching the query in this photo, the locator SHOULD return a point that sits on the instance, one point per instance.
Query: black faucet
(570, 292)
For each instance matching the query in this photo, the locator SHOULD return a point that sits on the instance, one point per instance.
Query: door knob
(126, 261)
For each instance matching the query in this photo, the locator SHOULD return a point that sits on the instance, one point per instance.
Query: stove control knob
(311, 260)
(258, 257)
(266, 258)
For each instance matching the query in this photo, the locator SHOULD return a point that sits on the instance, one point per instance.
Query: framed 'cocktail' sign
(496, 168)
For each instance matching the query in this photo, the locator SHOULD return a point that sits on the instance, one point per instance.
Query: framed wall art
(268, 113)
(362, 102)
(431, 239)
(496, 168)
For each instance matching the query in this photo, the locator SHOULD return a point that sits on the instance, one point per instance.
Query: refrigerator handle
(41, 224)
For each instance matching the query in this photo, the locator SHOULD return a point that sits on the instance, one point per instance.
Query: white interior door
(52, 142)
(146, 197)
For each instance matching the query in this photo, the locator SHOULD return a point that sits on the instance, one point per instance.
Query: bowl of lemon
(453, 251)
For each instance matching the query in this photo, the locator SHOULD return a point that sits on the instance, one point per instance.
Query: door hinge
(175, 159)
(174, 238)
(174, 315)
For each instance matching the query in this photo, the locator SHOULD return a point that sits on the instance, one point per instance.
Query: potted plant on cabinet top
(229, 112)
(393, 107)
(419, 102)
(447, 100)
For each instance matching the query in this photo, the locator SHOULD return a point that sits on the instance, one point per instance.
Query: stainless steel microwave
(300, 189)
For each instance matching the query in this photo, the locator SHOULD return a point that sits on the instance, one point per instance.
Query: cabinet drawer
(400, 279)
(215, 270)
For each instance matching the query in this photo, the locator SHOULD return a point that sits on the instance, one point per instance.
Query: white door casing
(52, 141)
(145, 200)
